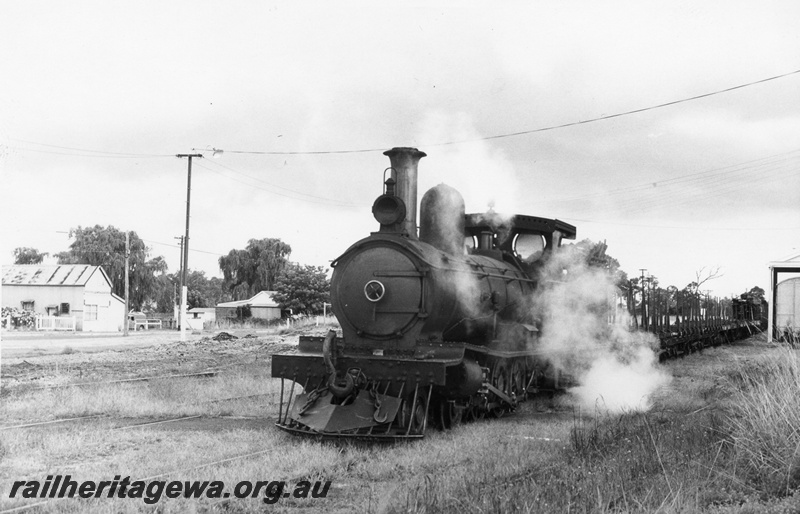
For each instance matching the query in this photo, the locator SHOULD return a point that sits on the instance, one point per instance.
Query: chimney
(404, 171)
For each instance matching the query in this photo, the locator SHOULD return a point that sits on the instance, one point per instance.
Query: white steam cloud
(483, 174)
(615, 368)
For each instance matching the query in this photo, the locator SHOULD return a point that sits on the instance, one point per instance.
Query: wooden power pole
(127, 265)
(186, 243)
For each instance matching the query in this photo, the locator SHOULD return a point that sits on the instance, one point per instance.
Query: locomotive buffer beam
(311, 368)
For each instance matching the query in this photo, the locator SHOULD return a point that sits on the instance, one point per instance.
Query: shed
(80, 291)
(784, 291)
(199, 316)
(262, 306)
(787, 308)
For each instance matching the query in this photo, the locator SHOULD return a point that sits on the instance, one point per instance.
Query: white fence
(55, 323)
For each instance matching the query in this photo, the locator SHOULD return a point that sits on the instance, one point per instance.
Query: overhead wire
(700, 177)
(723, 188)
(122, 252)
(533, 131)
(300, 193)
(86, 152)
(654, 198)
(447, 143)
(705, 190)
(317, 200)
(647, 196)
(172, 245)
(678, 179)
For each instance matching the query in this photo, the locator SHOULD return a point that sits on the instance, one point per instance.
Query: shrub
(19, 319)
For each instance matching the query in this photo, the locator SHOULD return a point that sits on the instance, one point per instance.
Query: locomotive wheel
(500, 380)
(518, 382)
(416, 419)
(448, 415)
(475, 413)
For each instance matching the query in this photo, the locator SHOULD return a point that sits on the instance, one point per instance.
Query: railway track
(202, 374)
(47, 422)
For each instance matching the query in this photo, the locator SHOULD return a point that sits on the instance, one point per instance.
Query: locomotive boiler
(435, 325)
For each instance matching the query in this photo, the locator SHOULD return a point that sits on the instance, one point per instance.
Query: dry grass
(279, 327)
(709, 445)
(719, 440)
(155, 398)
(765, 421)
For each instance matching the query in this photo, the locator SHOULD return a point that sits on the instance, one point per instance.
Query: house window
(90, 314)
(27, 305)
(64, 308)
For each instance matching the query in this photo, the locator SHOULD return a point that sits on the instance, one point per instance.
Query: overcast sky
(96, 98)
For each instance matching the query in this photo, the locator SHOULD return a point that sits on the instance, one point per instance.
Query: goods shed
(784, 294)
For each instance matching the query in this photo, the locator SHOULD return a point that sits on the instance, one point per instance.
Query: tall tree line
(262, 265)
(105, 246)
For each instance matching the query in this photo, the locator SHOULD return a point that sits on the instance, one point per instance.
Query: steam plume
(614, 367)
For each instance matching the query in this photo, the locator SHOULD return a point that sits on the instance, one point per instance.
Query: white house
(262, 306)
(67, 290)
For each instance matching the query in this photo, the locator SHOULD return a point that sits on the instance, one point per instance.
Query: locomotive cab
(525, 240)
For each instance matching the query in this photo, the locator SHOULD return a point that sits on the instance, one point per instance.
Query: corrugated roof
(37, 275)
(262, 299)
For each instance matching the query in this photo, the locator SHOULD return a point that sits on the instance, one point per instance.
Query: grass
(281, 327)
(633, 462)
(156, 398)
(765, 421)
(722, 438)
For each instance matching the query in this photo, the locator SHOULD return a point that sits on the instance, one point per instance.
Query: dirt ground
(43, 360)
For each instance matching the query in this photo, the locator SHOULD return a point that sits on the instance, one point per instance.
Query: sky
(600, 114)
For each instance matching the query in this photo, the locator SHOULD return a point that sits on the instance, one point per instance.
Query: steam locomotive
(435, 325)
(438, 326)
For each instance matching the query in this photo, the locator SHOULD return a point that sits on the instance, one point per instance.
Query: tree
(256, 268)
(595, 256)
(756, 293)
(166, 292)
(303, 289)
(105, 246)
(201, 291)
(701, 277)
(25, 255)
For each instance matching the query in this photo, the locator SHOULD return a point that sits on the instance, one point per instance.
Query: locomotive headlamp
(374, 290)
(389, 209)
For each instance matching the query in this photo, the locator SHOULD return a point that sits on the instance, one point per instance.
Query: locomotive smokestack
(404, 170)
